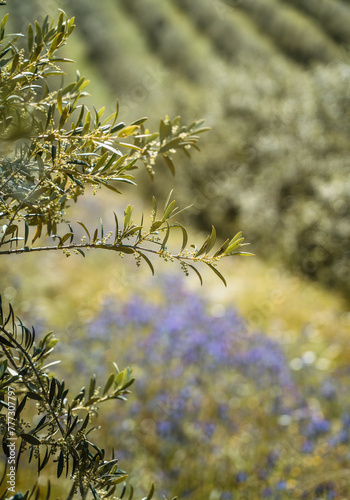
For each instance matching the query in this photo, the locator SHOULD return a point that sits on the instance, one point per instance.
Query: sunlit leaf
(59, 102)
(127, 216)
(146, 259)
(217, 273)
(197, 272)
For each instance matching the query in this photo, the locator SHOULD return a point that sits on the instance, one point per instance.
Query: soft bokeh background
(241, 392)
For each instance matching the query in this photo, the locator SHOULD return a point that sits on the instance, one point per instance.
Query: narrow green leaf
(92, 387)
(116, 111)
(108, 383)
(5, 447)
(212, 239)
(148, 262)
(217, 273)
(222, 248)
(72, 427)
(164, 242)
(20, 407)
(39, 36)
(117, 127)
(168, 200)
(100, 162)
(156, 225)
(116, 228)
(61, 18)
(30, 37)
(97, 118)
(109, 147)
(150, 493)
(86, 126)
(236, 237)
(119, 479)
(168, 211)
(65, 238)
(95, 494)
(80, 118)
(4, 21)
(30, 439)
(60, 464)
(118, 163)
(140, 121)
(128, 145)
(172, 144)
(85, 229)
(59, 102)
(71, 232)
(5, 342)
(39, 425)
(50, 114)
(109, 164)
(203, 129)
(154, 204)
(184, 236)
(125, 249)
(43, 464)
(71, 25)
(109, 186)
(131, 492)
(127, 131)
(101, 227)
(197, 272)
(56, 42)
(127, 216)
(52, 390)
(170, 164)
(37, 233)
(85, 423)
(11, 229)
(76, 181)
(164, 130)
(233, 246)
(203, 248)
(140, 230)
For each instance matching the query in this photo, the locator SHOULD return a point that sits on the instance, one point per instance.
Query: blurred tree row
(271, 77)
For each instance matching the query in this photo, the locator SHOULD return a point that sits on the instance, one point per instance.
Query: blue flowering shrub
(218, 411)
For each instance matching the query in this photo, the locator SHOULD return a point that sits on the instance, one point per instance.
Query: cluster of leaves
(66, 147)
(52, 148)
(62, 433)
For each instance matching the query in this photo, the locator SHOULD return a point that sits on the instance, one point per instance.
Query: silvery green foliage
(52, 148)
(62, 434)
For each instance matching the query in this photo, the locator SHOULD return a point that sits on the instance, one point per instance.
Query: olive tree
(52, 148)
